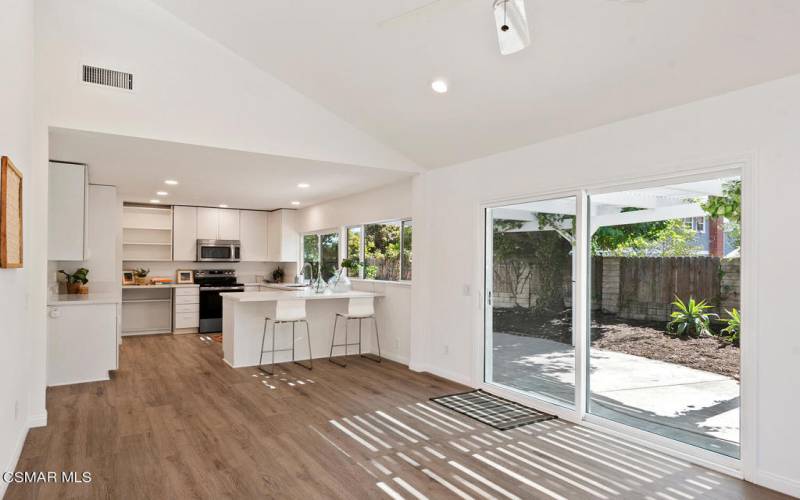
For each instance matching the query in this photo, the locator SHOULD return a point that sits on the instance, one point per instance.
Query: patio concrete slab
(659, 396)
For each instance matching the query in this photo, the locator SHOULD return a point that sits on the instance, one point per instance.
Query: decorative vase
(74, 288)
(140, 280)
(339, 282)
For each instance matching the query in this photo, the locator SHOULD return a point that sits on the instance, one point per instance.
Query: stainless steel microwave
(218, 250)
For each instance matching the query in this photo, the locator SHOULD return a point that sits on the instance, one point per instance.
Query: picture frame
(184, 276)
(11, 235)
(127, 278)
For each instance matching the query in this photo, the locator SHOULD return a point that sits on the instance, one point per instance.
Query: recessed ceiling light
(162, 193)
(304, 185)
(295, 203)
(155, 201)
(222, 205)
(171, 182)
(439, 86)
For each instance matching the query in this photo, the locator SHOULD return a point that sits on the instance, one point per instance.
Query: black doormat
(492, 410)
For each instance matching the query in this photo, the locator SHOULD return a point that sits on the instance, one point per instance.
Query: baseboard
(446, 374)
(12, 463)
(778, 483)
(39, 420)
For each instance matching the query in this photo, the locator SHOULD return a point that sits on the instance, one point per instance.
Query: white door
(253, 235)
(184, 233)
(67, 211)
(228, 224)
(208, 223)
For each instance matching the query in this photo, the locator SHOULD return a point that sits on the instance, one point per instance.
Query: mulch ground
(638, 338)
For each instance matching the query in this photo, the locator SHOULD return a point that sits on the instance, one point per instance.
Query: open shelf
(147, 233)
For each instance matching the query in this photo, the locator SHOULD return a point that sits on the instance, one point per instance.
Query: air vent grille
(108, 77)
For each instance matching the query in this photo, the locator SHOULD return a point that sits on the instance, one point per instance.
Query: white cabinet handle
(55, 312)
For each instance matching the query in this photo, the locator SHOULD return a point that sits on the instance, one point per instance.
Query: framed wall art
(10, 214)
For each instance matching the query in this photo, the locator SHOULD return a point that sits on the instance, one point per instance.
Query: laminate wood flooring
(176, 422)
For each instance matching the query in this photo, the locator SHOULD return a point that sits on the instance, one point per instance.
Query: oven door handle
(221, 288)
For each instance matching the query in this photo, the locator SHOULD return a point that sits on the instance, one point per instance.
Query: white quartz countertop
(167, 285)
(293, 295)
(77, 299)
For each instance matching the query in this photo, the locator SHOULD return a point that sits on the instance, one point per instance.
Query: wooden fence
(640, 287)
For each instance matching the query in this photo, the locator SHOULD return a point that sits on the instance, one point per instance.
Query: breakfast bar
(243, 324)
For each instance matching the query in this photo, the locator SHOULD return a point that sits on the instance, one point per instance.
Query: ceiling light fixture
(161, 193)
(295, 203)
(439, 86)
(512, 25)
(222, 205)
(171, 182)
(304, 185)
(155, 201)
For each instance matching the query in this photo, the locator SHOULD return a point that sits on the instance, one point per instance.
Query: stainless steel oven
(218, 251)
(212, 283)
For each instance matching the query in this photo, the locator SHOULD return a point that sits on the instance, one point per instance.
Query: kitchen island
(243, 325)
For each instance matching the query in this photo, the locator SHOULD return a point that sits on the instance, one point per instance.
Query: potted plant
(76, 280)
(353, 266)
(277, 275)
(140, 275)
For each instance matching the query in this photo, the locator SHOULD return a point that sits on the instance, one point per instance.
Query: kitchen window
(384, 249)
(321, 250)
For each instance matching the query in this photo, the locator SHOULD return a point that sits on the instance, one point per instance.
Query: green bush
(732, 332)
(691, 318)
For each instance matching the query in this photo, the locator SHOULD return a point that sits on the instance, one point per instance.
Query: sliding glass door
(664, 301)
(530, 275)
(659, 320)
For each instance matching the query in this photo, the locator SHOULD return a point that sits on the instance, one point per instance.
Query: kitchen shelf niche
(146, 233)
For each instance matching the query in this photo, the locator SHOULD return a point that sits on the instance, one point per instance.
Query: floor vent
(492, 410)
(108, 77)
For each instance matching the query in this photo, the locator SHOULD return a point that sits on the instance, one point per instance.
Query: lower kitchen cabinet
(82, 343)
(187, 309)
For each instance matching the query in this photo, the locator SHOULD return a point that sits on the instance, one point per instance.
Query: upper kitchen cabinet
(282, 237)
(68, 204)
(253, 235)
(184, 233)
(228, 224)
(217, 224)
(207, 223)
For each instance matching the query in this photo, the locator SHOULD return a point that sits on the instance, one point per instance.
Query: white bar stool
(286, 311)
(359, 308)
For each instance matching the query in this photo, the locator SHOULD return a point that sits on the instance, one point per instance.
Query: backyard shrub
(731, 332)
(691, 318)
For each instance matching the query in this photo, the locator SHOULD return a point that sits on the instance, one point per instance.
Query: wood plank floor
(176, 422)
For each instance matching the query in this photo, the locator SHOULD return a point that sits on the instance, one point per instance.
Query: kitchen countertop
(293, 294)
(167, 285)
(84, 299)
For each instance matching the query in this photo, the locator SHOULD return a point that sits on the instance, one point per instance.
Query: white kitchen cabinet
(184, 233)
(228, 224)
(253, 235)
(187, 309)
(283, 240)
(82, 343)
(207, 223)
(68, 212)
(217, 224)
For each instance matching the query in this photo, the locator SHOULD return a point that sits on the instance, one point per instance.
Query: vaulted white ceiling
(591, 62)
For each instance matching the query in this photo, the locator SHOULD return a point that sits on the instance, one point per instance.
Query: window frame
(362, 241)
(319, 234)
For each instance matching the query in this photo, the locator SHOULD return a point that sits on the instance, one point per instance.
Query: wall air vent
(108, 77)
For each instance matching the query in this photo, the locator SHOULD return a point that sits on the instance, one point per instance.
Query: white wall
(16, 103)
(393, 201)
(761, 121)
(188, 87)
